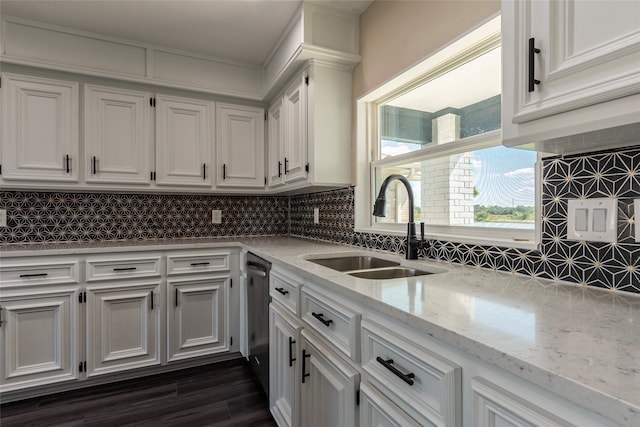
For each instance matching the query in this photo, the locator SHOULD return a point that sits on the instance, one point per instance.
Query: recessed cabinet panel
(118, 145)
(284, 372)
(197, 317)
(184, 141)
(378, 410)
(328, 393)
(576, 66)
(424, 384)
(240, 146)
(494, 406)
(123, 327)
(39, 129)
(295, 135)
(38, 339)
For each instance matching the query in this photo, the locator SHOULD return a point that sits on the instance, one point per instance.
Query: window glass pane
(491, 187)
(460, 103)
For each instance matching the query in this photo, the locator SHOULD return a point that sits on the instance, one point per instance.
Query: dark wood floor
(222, 395)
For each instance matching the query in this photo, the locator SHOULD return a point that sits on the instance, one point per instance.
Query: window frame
(474, 43)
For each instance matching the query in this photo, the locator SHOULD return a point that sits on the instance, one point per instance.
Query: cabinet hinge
(358, 397)
(306, 80)
(306, 167)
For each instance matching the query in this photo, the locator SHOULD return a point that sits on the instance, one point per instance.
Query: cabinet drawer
(494, 406)
(422, 383)
(38, 273)
(197, 263)
(338, 324)
(122, 268)
(285, 290)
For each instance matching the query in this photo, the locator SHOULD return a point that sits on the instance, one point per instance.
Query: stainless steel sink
(350, 263)
(388, 273)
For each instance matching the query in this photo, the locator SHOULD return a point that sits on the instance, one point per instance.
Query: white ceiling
(239, 30)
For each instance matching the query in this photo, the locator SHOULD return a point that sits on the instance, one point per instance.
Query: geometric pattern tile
(36, 217)
(616, 266)
(56, 217)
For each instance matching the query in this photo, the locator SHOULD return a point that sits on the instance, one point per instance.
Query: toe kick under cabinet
(107, 317)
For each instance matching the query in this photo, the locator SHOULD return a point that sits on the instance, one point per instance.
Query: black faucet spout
(413, 244)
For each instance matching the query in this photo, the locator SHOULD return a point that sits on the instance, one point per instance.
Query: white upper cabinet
(184, 141)
(240, 146)
(117, 136)
(313, 124)
(39, 129)
(294, 105)
(570, 67)
(275, 151)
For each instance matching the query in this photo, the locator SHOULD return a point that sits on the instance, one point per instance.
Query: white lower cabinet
(197, 316)
(284, 371)
(494, 406)
(423, 383)
(38, 337)
(329, 386)
(377, 410)
(123, 327)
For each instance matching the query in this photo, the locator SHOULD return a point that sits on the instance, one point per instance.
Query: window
(438, 125)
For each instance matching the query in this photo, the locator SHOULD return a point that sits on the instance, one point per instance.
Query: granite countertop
(579, 342)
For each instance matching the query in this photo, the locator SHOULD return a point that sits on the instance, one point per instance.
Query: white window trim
(367, 136)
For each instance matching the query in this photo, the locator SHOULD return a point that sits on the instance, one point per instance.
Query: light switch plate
(316, 215)
(636, 218)
(3, 217)
(594, 220)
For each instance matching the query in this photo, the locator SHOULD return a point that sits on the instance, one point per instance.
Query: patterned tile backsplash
(55, 217)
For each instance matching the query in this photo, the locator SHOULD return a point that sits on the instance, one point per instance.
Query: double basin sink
(368, 267)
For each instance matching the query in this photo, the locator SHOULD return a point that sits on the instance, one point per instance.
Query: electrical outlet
(3, 217)
(216, 216)
(316, 215)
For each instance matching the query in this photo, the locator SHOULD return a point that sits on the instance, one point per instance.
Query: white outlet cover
(216, 216)
(316, 215)
(601, 220)
(636, 216)
(3, 217)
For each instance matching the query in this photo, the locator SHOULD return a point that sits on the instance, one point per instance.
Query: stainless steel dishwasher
(258, 316)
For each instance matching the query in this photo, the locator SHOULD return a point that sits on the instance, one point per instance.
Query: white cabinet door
(117, 136)
(329, 386)
(39, 129)
(123, 327)
(377, 410)
(494, 406)
(240, 146)
(198, 311)
(589, 53)
(294, 122)
(38, 338)
(275, 151)
(284, 372)
(184, 141)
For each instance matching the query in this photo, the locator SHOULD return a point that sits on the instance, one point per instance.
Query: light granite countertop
(579, 342)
